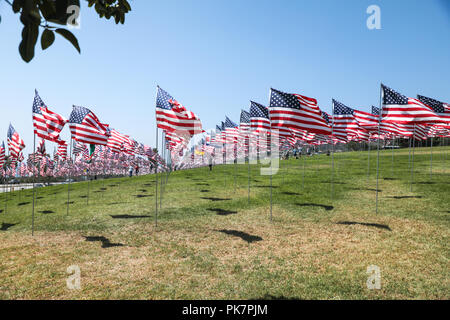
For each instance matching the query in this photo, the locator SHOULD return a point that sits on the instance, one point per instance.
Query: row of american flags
(297, 118)
(95, 146)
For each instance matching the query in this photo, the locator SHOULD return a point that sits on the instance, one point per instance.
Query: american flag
(172, 116)
(62, 151)
(78, 148)
(344, 123)
(86, 127)
(366, 120)
(296, 111)
(231, 128)
(116, 140)
(259, 117)
(15, 143)
(398, 108)
(2, 155)
(440, 108)
(47, 124)
(41, 147)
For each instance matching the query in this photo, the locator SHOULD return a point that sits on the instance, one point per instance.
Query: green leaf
(30, 34)
(70, 37)
(47, 39)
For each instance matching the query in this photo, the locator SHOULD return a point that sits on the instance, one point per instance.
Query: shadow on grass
(406, 197)
(23, 203)
(368, 189)
(271, 297)
(105, 241)
(6, 226)
(291, 193)
(376, 225)
(204, 190)
(335, 182)
(328, 208)
(243, 235)
(142, 190)
(390, 179)
(215, 199)
(266, 187)
(143, 195)
(46, 211)
(424, 182)
(222, 212)
(128, 216)
(202, 184)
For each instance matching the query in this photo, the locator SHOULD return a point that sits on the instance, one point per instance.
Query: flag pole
(332, 153)
(248, 159)
(378, 148)
(431, 158)
(412, 164)
(34, 181)
(69, 174)
(368, 159)
(156, 179)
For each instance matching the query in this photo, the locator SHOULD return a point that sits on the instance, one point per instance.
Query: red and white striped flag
(47, 124)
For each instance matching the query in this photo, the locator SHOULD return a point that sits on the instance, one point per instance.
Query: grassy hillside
(211, 242)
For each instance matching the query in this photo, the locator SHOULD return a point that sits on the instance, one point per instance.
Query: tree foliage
(46, 15)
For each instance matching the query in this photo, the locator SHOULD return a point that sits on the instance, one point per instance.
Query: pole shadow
(243, 235)
(291, 193)
(376, 225)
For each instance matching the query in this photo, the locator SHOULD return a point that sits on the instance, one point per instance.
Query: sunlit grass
(211, 242)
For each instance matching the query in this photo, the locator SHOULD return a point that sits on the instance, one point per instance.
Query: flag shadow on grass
(215, 199)
(328, 208)
(222, 212)
(128, 216)
(243, 235)
(105, 241)
(6, 226)
(46, 211)
(376, 225)
(405, 197)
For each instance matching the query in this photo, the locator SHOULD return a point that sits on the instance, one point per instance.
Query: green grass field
(212, 243)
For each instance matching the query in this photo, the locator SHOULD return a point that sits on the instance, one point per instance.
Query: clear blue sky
(214, 56)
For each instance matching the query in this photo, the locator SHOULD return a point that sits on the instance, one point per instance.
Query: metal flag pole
(34, 182)
(304, 165)
(392, 163)
(69, 174)
(378, 148)
(156, 179)
(5, 191)
(431, 158)
(368, 160)
(332, 152)
(248, 160)
(89, 183)
(412, 159)
(235, 164)
(163, 151)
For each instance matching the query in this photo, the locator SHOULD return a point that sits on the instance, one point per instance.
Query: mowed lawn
(211, 242)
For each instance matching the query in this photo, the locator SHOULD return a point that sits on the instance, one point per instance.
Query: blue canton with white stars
(78, 114)
(392, 97)
(162, 99)
(436, 105)
(286, 100)
(341, 109)
(258, 111)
